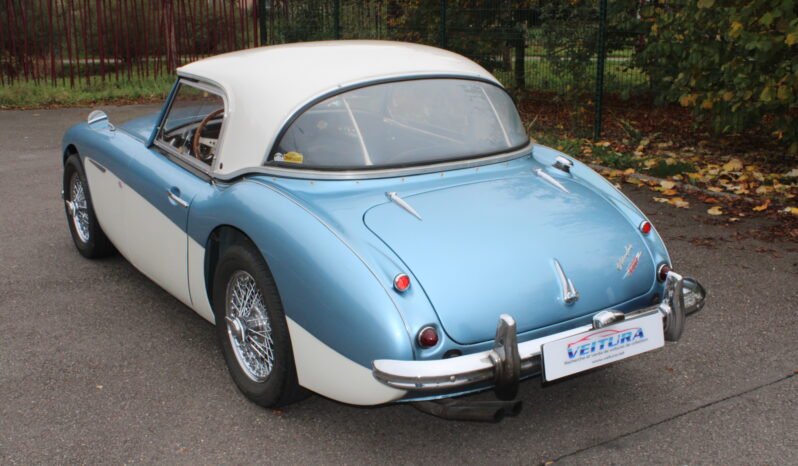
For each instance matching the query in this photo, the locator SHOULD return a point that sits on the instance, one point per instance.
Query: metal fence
(558, 53)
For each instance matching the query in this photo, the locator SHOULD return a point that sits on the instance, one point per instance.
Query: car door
(166, 179)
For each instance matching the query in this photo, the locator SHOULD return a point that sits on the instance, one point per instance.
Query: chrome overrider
(508, 361)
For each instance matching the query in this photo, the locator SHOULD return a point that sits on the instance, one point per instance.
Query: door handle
(177, 200)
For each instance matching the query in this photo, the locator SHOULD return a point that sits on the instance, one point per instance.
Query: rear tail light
(645, 227)
(401, 282)
(662, 272)
(427, 337)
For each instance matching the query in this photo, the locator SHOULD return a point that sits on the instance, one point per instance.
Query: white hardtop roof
(265, 86)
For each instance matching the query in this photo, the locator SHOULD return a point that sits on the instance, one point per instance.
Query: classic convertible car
(369, 221)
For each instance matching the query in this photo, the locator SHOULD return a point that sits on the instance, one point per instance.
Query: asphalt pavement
(99, 365)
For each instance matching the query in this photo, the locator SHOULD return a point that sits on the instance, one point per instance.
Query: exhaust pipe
(480, 411)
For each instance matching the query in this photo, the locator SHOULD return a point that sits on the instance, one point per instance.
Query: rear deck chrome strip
(402, 203)
(550, 179)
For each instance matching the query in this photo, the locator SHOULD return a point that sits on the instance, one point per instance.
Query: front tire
(89, 238)
(252, 330)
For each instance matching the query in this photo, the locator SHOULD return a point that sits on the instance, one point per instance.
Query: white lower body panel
(107, 198)
(196, 281)
(325, 371)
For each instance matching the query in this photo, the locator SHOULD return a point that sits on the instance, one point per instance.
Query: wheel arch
(69, 150)
(220, 238)
(323, 283)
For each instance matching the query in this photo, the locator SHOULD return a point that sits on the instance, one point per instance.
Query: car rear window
(401, 124)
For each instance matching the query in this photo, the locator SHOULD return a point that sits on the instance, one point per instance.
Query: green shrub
(734, 63)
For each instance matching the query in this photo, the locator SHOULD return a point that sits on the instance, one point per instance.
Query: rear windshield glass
(401, 124)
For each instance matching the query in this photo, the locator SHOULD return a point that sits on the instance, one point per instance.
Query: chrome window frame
(390, 172)
(192, 163)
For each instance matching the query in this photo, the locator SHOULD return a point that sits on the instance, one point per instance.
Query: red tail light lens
(401, 282)
(662, 273)
(645, 227)
(427, 337)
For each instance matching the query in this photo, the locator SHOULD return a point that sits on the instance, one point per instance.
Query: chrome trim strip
(550, 179)
(99, 167)
(569, 293)
(402, 203)
(306, 174)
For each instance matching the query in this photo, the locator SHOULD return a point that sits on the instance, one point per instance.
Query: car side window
(193, 125)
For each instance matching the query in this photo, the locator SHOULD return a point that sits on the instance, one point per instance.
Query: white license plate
(596, 348)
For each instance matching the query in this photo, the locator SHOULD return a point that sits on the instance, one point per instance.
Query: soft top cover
(265, 86)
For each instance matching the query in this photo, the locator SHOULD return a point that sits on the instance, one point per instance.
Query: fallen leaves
(762, 207)
(740, 176)
(667, 184)
(733, 165)
(676, 201)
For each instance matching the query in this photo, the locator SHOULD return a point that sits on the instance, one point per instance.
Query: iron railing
(554, 53)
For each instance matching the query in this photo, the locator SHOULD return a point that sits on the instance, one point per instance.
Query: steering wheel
(195, 146)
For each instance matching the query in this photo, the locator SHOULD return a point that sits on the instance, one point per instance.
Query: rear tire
(252, 329)
(89, 238)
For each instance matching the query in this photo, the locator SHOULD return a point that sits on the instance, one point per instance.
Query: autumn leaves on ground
(685, 165)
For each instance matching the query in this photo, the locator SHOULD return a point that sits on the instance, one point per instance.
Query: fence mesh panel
(546, 52)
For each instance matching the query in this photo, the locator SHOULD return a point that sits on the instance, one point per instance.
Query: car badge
(569, 293)
(622, 260)
(632, 265)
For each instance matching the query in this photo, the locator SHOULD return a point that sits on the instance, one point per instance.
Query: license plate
(606, 345)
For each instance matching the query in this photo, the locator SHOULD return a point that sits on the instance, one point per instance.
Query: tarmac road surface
(99, 365)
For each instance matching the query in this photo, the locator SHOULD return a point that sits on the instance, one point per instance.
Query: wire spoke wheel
(79, 207)
(248, 326)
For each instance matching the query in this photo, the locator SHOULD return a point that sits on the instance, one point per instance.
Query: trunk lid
(489, 248)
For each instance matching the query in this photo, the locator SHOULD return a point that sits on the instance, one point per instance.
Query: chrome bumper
(505, 364)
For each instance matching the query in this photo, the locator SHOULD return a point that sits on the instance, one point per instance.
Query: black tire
(91, 242)
(280, 386)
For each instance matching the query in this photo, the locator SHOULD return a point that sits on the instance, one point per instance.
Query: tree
(734, 63)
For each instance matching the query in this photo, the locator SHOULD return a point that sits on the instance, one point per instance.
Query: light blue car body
(486, 244)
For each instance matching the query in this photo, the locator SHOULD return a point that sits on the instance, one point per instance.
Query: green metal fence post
(337, 18)
(520, 57)
(264, 30)
(601, 56)
(442, 26)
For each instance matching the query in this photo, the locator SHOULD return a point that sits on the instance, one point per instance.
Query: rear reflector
(401, 282)
(427, 337)
(645, 227)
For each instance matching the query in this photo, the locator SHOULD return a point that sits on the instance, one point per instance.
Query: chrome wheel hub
(78, 207)
(238, 329)
(248, 326)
